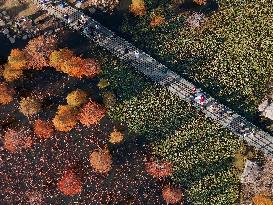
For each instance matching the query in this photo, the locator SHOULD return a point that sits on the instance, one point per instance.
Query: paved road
(160, 74)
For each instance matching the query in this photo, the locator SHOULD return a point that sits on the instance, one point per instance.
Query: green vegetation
(230, 54)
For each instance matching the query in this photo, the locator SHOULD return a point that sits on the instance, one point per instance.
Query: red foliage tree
(38, 51)
(43, 129)
(172, 195)
(101, 160)
(70, 184)
(6, 94)
(17, 140)
(159, 169)
(91, 113)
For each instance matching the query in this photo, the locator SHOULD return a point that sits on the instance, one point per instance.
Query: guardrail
(161, 74)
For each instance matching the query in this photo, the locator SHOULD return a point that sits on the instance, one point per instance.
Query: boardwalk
(160, 74)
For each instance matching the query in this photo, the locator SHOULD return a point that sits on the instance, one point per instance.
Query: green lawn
(231, 55)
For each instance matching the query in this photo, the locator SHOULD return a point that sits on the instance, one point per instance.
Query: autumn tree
(159, 169)
(38, 51)
(10, 74)
(101, 160)
(116, 137)
(58, 57)
(65, 118)
(91, 113)
(172, 195)
(262, 200)
(15, 140)
(74, 67)
(29, 106)
(76, 98)
(17, 59)
(138, 7)
(43, 129)
(64, 60)
(70, 184)
(6, 94)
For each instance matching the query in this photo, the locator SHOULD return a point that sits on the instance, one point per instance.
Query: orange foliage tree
(76, 98)
(70, 184)
(38, 51)
(262, 200)
(91, 113)
(6, 94)
(43, 129)
(58, 57)
(64, 60)
(101, 160)
(17, 59)
(138, 7)
(157, 20)
(66, 118)
(74, 67)
(10, 74)
(159, 169)
(17, 140)
(172, 195)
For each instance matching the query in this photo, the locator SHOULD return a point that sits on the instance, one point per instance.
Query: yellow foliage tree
(65, 119)
(10, 74)
(138, 7)
(17, 59)
(29, 106)
(116, 137)
(76, 98)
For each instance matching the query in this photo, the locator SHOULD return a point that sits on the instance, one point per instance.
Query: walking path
(162, 75)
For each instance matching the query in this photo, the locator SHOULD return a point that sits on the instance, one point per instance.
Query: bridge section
(160, 74)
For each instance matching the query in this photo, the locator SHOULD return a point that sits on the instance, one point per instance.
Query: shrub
(200, 2)
(65, 118)
(116, 137)
(101, 160)
(159, 169)
(29, 106)
(157, 20)
(5, 94)
(109, 99)
(91, 113)
(103, 83)
(17, 140)
(38, 51)
(138, 7)
(70, 184)
(76, 98)
(11, 74)
(17, 59)
(172, 195)
(43, 129)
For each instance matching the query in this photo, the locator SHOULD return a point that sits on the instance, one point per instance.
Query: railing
(161, 75)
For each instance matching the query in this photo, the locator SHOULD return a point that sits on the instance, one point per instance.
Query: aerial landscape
(136, 102)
